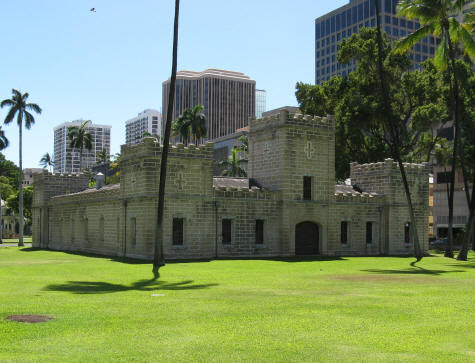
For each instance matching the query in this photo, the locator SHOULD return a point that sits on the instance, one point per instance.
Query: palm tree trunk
(418, 252)
(20, 195)
(158, 259)
(449, 252)
(1, 220)
(462, 256)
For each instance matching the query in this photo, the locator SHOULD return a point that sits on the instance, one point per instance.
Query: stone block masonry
(288, 206)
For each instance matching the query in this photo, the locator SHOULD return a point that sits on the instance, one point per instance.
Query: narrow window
(407, 234)
(259, 231)
(344, 232)
(133, 230)
(307, 188)
(226, 226)
(369, 232)
(177, 231)
(101, 229)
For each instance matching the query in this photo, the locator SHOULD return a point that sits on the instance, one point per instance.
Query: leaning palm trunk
(20, 195)
(449, 251)
(158, 259)
(462, 256)
(418, 252)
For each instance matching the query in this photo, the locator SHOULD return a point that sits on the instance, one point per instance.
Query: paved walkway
(27, 244)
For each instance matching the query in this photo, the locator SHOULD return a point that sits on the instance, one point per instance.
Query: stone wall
(120, 219)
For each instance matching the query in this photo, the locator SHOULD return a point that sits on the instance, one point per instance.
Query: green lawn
(15, 240)
(348, 309)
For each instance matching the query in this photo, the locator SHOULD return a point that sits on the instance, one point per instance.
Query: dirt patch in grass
(29, 318)
(384, 278)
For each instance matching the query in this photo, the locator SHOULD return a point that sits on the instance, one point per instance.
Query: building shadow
(100, 287)
(414, 270)
(462, 265)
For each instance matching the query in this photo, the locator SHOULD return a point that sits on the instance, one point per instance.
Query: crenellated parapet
(285, 118)
(150, 147)
(48, 185)
(385, 178)
(245, 193)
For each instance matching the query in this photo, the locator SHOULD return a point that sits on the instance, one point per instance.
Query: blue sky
(109, 65)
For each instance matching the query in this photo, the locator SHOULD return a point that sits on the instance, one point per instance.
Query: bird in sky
(93, 10)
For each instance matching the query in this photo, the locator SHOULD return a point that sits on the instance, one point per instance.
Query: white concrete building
(67, 159)
(28, 175)
(147, 121)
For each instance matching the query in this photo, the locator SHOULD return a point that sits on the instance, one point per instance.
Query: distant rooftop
(212, 72)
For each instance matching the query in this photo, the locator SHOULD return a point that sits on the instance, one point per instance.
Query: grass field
(329, 310)
(15, 240)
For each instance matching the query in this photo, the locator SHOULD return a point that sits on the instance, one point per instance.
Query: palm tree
(191, 122)
(244, 144)
(3, 139)
(197, 120)
(3, 144)
(46, 161)
(180, 127)
(158, 251)
(232, 165)
(80, 139)
(103, 158)
(390, 126)
(439, 18)
(20, 108)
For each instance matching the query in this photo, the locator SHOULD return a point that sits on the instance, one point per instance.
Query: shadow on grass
(134, 261)
(99, 287)
(415, 270)
(462, 265)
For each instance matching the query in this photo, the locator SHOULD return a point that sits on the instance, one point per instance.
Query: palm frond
(466, 39)
(10, 115)
(7, 103)
(16, 94)
(441, 54)
(33, 107)
(88, 141)
(404, 44)
(29, 120)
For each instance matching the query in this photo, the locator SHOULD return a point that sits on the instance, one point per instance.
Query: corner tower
(294, 154)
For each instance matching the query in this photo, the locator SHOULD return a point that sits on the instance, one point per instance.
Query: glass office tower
(260, 102)
(341, 23)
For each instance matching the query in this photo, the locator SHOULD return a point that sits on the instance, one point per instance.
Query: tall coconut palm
(80, 139)
(391, 128)
(20, 108)
(439, 18)
(158, 251)
(46, 161)
(3, 144)
(233, 165)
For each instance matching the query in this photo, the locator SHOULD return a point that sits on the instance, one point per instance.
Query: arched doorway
(306, 238)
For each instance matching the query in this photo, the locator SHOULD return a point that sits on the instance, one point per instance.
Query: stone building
(288, 206)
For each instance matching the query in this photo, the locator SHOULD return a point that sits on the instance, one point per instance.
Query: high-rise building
(66, 159)
(229, 99)
(260, 102)
(146, 121)
(341, 23)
